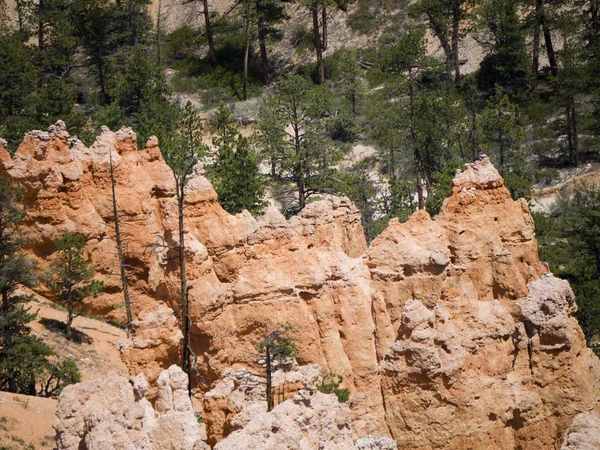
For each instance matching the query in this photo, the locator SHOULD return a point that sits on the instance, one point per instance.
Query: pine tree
(444, 18)
(501, 136)
(182, 151)
(507, 63)
(234, 174)
(570, 242)
(26, 362)
(275, 347)
(71, 277)
(293, 136)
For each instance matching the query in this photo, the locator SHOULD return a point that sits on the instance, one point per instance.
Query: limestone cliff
(449, 332)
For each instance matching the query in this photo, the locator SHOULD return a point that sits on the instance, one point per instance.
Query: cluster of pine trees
(27, 364)
(531, 104)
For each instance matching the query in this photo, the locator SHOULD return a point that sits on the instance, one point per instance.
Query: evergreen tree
(570, 243)
(293, 135)
(507, 63)
(444, 18)
(275, 347)
(501, 136)
(26, 363)
(70, 276)
(18, 78)
(182, 151)
(234, 174)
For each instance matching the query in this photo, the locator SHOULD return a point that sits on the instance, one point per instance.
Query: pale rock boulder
(311, 420)
(113, 414)
(240, 394)
(584, 433)
(376, 443)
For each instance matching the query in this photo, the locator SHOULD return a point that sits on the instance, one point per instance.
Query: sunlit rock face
(449, 332)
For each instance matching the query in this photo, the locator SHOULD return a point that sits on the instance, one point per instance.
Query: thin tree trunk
(20, 19)
(183, 285)
(572, 132)
(317, 41)
(68, 331)
(264, 61)
(100, 67)
(324, 25)
(594, 20)
(209, 35)
(547, 38)
(11, 375)
(158, 55)
(502, 151)
(269, 383)
(124, 282)
(535, 59)
(41, 25)
(440, 33)
(417, 153)
(455, 39)
(474, 136)
(246, 53)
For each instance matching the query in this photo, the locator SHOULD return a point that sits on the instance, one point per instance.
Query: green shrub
(330, 384)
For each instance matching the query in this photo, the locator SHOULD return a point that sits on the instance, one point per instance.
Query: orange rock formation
(448, 332)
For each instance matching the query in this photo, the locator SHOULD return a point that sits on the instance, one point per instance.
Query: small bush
(330, 384)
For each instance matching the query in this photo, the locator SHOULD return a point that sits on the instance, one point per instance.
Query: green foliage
(442, 182)
(278, 342)
(501, 136)
(570, 242)
(27, 364)
(507, 64)
(139, 95)
(303, 156)
(330, 384)
(183, 149)
(70, 276)
(215, 84)
(234, 174)
(275, 347)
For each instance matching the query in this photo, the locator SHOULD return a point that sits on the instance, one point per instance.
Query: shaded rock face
(113, 413)
(448, 332)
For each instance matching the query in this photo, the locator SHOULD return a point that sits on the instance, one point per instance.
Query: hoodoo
(450, 333)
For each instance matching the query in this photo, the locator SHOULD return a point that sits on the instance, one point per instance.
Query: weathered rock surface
(448, 332)
(584, 433)
(113, 413)
(310, 420)
(234, 401)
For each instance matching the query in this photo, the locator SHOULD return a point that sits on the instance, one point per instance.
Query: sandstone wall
(447, 331)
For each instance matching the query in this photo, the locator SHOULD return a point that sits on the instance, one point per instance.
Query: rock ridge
(449, 332)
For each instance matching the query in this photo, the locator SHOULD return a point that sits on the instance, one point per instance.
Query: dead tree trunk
(185, 318)
(209, 35)
(317, 42)
(246, 54)
(120, 253)
(264, 61)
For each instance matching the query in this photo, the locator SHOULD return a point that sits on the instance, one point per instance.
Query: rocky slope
(449, 332)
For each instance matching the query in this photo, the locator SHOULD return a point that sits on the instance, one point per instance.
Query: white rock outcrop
(113, 414)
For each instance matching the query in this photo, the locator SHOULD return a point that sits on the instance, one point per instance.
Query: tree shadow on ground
(57, 326)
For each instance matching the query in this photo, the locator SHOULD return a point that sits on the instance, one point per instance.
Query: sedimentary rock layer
(449, 333)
